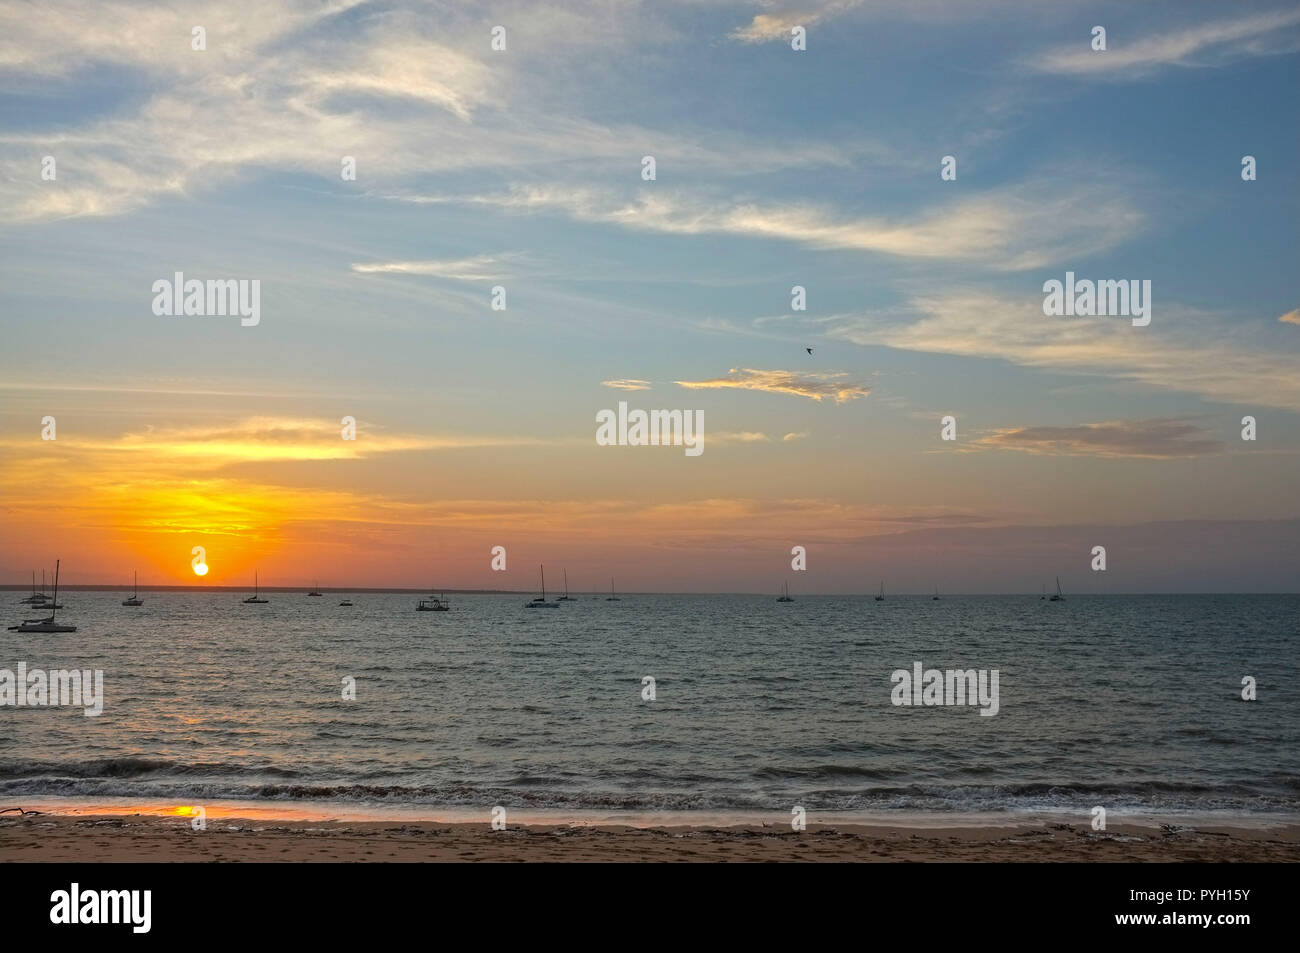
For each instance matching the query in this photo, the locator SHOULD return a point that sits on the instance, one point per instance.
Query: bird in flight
(808, 349)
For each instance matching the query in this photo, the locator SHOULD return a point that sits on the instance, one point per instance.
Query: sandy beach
(149, 838)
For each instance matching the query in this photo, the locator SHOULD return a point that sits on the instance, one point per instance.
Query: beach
(151, 838)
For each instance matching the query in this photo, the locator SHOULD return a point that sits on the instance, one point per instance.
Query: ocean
(1133, 703)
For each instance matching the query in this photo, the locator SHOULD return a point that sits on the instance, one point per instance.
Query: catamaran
(256, 596)
(785, 593)
(566, 597)
(46, 625)
(540, 602)
(135, 599)
(612, 597)
(881, 597)
(1058, 597)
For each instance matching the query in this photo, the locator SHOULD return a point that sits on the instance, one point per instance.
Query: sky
(522, 169)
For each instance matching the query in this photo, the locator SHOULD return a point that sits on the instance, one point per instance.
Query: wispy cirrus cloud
(627, 384)
(1206, 44)
(794, 383)
(477, 268)
(1160, 439)
(1032, 224)
(309, 82)
(1193, 351)
(261, 439)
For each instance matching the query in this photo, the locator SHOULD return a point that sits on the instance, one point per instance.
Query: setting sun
(201, 569)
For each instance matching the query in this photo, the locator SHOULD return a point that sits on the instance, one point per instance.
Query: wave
(193, 783)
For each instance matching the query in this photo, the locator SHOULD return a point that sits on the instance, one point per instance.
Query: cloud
(478, 268)
(309, 83)
(627, 384)
(260, 439)
(814, 386)
(1291, 317)
(766, 27)
(1206, 44)
(1155, 439)
(790, 437)
(1184, 349)
(1011, 228)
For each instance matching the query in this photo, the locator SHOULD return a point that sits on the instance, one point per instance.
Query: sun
(201, 569)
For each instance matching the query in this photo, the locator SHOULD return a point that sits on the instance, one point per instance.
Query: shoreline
(311, 811)
(151, 833)
(137, 838)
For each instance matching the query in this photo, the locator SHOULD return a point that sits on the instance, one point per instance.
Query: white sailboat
(256, 596)
(48, 624)
(540, 602)
(135, 599)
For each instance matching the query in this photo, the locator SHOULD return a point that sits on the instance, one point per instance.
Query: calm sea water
(1129, 702)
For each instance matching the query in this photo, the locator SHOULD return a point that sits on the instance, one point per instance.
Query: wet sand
(148, 838)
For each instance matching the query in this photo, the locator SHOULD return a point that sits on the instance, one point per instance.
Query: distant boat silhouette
(346, 602)
(612, 597)
(881, 597)
(433, 604)
(1044, 595)
(540, 602)
(785, 594)
(256, 596)
(48, 624)
(1058, 597)
(135, 599)
(935, 597)
(315, 590)
(566, 597)
(36, 598)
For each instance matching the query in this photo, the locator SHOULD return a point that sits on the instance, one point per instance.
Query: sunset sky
(775, 168)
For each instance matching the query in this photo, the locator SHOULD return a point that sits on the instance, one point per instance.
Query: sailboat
(256, 596)
(135, 599)
(881, 597)
(46, 625)
(45, 602)
(540, 602)
(612, 597)
(785, 594)
(566, 597)
(1058, 597)
(315, 590)
(935, 597)
(36, 598)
